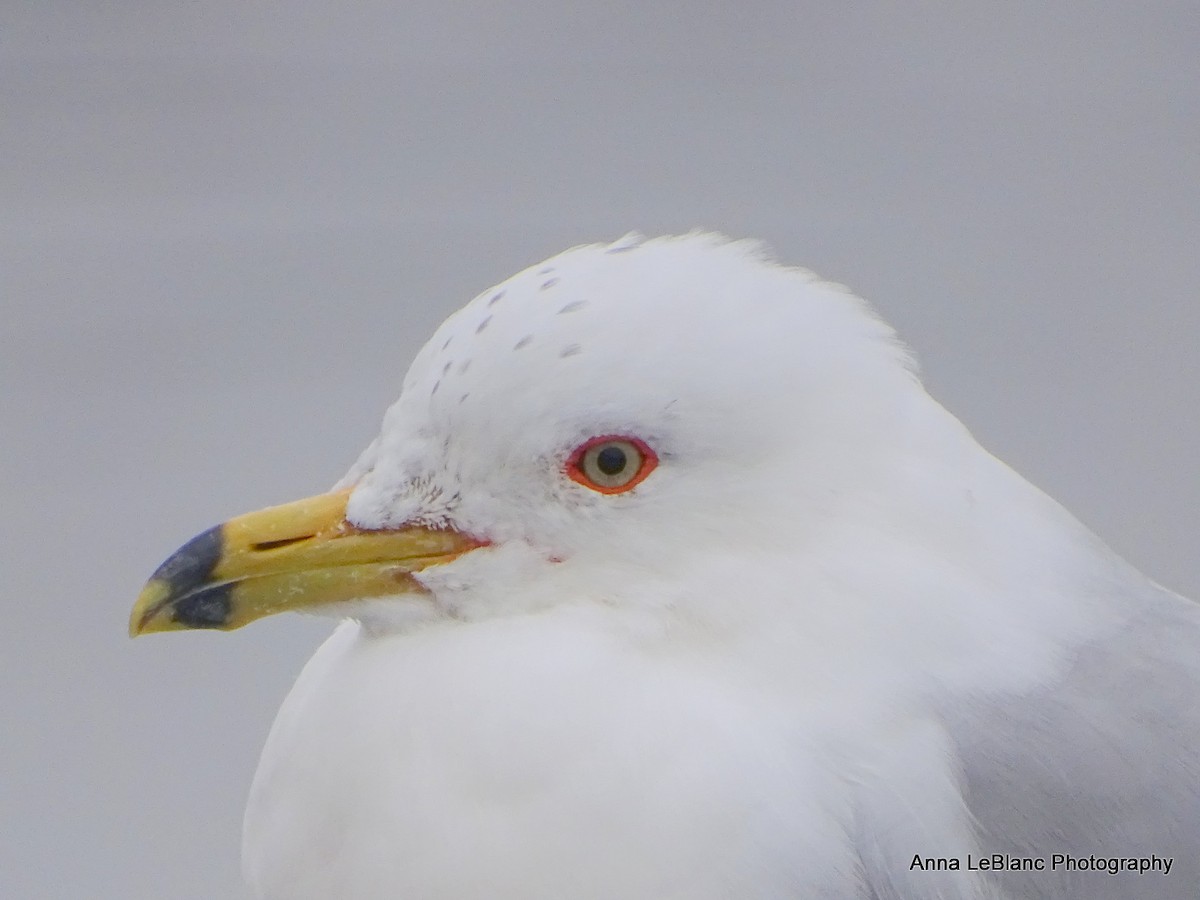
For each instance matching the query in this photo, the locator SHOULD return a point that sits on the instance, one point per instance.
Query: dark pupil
(611, 460)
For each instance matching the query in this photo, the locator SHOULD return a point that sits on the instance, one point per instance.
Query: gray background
(226, 227)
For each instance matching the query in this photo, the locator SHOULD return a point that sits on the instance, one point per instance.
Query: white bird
(665, 578)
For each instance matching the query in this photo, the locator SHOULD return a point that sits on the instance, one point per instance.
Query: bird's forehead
(595, 323)
(621, 338)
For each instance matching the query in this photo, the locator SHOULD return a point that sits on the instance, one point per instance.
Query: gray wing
(1106, 763)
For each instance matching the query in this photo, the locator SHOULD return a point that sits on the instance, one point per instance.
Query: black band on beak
(209, 607)
(192, 564)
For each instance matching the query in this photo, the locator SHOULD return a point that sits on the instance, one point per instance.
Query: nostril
(282, 542)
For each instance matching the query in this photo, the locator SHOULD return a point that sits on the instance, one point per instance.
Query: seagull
(666, 579)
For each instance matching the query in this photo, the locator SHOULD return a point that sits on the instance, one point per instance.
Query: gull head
(615, 426)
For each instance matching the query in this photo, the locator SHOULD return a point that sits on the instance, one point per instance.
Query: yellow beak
(295, 556)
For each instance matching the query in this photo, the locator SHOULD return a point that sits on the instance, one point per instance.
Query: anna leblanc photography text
(1057, 862)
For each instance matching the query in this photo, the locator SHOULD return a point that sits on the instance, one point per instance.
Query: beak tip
(149, 605)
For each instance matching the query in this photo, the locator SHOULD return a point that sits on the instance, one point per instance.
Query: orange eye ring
(611, 463)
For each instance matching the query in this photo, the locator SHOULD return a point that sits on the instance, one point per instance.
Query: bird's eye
(611, 465)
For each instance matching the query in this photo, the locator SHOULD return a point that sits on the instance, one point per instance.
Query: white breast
(533, 757)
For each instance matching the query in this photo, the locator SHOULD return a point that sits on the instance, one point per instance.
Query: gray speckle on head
(446, 367)
(448, 340)
(546, 271)
(437, 384)
(572, 306)
(523, 342)
(464, 396)
(549, 283)
(464, 365)
(496, 297)
(570, 350)
(482, 325)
